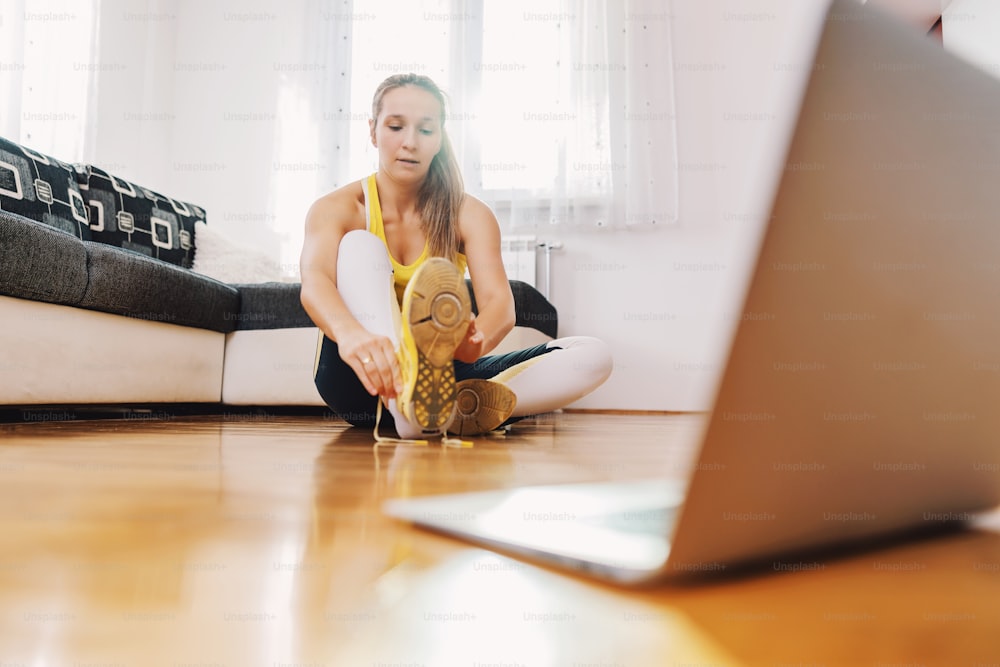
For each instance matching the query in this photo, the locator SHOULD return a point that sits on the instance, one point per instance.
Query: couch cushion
(271, 306)
(40, 263)
(130, 216)
(131, 284)
(534, 310)
(531, 309)
(277, 306)
(41, 188)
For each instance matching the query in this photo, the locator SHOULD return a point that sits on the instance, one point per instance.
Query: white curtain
(586, 115)
(310, 155)
(48, 74)
(561, 111)
(643, 118)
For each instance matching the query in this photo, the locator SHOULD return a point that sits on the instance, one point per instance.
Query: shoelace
(381, 440)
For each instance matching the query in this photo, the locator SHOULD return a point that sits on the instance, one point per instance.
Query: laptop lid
(861, 397)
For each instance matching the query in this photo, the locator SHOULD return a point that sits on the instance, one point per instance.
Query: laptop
(861, 400)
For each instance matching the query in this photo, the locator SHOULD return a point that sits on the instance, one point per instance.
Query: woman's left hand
(471, 347)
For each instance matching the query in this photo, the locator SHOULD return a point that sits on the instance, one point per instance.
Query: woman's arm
(480, 235)
(326, 223)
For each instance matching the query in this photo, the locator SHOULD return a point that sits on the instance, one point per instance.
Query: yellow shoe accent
(436, 311)
(483, 405)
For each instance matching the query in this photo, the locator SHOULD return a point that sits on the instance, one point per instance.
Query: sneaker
(436, 311)
(481, 406)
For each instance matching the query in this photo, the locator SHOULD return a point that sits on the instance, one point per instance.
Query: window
(390, 37)
(527, 116)
(49, 69)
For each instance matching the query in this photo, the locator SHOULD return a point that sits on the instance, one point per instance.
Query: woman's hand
(471, 347)
(373, 359)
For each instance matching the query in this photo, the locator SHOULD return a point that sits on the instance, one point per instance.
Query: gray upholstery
(531, 309)
(127, 283)
(271, 306)
(41, 263)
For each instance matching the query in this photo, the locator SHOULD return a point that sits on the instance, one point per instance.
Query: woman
(382, 277)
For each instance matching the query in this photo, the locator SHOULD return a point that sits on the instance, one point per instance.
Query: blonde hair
(440, 197)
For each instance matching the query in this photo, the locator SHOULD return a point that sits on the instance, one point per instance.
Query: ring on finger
(366, 361)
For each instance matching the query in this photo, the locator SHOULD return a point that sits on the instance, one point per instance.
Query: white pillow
(218, 256)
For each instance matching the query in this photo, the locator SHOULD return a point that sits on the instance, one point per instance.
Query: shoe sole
(482, 406)
(436, 310)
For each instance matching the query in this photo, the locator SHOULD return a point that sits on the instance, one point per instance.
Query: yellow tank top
(401, 273)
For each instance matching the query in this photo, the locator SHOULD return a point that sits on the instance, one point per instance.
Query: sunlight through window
(400, 38)
(518, 117)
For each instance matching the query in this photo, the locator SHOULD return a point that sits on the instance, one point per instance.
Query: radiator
(519, 258)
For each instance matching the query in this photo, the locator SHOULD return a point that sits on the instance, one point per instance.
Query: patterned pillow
(41, 188)
(129, 216)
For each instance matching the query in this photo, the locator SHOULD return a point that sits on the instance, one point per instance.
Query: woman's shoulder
(476, 223)
(345, 205)
(475, 210)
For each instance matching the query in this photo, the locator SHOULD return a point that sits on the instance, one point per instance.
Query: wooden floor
(243, 540)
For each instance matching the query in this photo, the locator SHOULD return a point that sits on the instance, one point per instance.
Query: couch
(99, 303)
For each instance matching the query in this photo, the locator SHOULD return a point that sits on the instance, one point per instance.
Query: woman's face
(407, 133)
